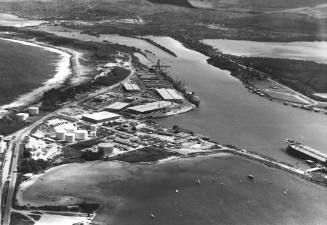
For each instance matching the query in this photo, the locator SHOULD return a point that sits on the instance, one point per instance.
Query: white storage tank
(93, 134)
(107, 148)
(22, 116)
(33, 110)
(81, 134)
(70, 138)
(60, 134)
(29, 147)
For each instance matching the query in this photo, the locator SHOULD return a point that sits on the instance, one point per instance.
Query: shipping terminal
(306, 151)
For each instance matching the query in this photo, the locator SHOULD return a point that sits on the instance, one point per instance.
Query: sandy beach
(68, 67)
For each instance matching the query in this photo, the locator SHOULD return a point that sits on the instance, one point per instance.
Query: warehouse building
(100, 117)
(130, 87)
(168, 94)
(114, 107)
(149, 107)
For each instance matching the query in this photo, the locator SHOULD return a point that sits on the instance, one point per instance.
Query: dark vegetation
(79, 152)
(53, 98)
(84, 207)
(116, 75)
(89, 155)
(303, 76)
(30, 165)
(10, 124)
(147, 154)
(19, 219)
(249, 19)
(183, 3)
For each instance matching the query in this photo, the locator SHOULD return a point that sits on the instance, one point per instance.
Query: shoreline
(227, 152)
(65, 70)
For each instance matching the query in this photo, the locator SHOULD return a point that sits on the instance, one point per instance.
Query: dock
(307, 151)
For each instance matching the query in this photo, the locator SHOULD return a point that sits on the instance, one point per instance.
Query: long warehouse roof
(101, 116)
(169, 94)
(150, 106)
(131, 87)
(117, 106)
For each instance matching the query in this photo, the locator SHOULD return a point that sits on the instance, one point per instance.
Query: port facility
(131, 87)
(307, 151)
(100, 117)
(169, 94)
(116, 106)
(150, 107)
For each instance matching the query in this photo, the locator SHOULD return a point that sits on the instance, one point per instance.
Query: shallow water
(12, 20)
(170, 191)
(228, 113)
(311, 51)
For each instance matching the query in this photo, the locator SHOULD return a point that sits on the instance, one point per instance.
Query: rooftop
(169, 94)
(99, 116)
(117, 105)
(131, 87)
(150, 106)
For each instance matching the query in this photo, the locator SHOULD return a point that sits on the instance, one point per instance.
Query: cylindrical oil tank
(60, 134)
(81, 134)
(70, 138)
(93, 134)
(29, 147)
(33, 110)
(107, 148)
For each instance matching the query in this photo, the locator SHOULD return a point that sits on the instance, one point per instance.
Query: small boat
(250, 176)
(316, 110)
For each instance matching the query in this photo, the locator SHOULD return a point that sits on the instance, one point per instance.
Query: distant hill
(202, 4)
(277, 4)
(184, 3)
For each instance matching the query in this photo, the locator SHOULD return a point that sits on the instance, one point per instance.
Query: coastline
(65, 69)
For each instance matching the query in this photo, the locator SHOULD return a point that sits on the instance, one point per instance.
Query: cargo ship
(306, 151)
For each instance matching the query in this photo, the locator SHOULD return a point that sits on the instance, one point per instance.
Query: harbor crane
(160, 67)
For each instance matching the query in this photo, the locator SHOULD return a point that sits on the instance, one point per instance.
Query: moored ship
(306, 151)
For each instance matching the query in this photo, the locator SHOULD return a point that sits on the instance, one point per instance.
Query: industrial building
(60, 135)
(116, 106)
(100, 117)
(22, 116)
(169, 95)
(149, 107)
(81, 134)
(33, 110)
(130, 87)
(70, 138)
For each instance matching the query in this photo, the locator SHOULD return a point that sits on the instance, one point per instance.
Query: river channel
(228, 113)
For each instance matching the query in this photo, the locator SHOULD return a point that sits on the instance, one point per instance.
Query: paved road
(11, 166)
(12, 155)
